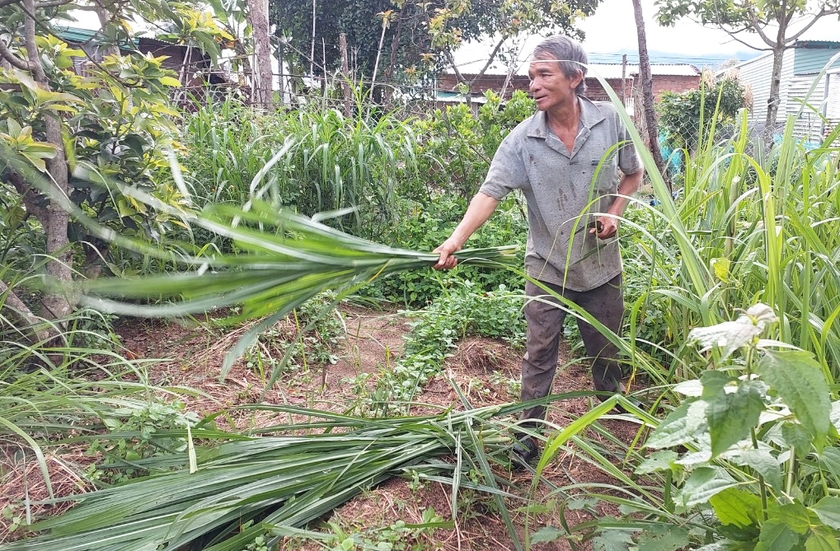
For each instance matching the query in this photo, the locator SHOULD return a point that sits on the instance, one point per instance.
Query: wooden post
(345, 76)
(624, 80)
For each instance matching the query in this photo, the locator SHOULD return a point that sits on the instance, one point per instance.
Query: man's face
(551, 88)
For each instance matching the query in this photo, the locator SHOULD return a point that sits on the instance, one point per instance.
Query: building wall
(807, 107)
(812, 60)
(755, 74)
(832, 104)
(674, 83)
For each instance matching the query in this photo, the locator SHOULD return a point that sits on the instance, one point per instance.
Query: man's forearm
(627, 187)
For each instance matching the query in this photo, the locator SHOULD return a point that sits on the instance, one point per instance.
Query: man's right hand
(480, 209)
(447, 250)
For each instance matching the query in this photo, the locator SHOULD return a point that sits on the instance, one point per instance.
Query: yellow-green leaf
(170, 81)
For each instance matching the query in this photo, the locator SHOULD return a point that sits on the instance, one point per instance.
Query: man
(565, 160)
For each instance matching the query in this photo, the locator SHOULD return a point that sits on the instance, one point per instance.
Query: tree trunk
(775, 87)
(58, 268)
(345, 76)
(258, 19)
(647, 94)
(10, 302)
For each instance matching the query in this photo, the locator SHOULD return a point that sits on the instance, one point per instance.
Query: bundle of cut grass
(224, 496)
(281, 259)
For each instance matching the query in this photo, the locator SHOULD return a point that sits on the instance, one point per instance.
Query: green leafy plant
(398, 536)
(754, 447)
(145, 432)
(461, 311)
(427, 226)
(685, 117)
(455, 147)
(311, 335)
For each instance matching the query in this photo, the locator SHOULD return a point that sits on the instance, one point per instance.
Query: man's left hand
(605, 227)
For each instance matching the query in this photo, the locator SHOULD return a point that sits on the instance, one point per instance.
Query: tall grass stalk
(329, 162)
(742, 231)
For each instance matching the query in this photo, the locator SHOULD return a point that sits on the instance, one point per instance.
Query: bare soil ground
(486, 371)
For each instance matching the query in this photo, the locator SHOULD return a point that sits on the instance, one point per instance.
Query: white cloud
(613, 27)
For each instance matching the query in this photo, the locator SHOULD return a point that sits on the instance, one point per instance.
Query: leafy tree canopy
(753, 16)
(685, 116)
(417, 33)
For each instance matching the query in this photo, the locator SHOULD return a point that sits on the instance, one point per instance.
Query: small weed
(461, 312)
(512, 385)
(311, 335)
(142, 434)
(12, 517)
(398, 536)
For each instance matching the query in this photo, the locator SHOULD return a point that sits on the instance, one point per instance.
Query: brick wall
(673, 83)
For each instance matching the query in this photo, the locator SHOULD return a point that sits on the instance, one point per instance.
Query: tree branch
(11, 302)
(756, 24)
(823, 13)
(489, 60)
(9, 56)
(30, 197)
(451, 60)
(51, 4)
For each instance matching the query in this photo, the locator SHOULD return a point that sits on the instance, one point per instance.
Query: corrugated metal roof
(606, 70)
(816, 44)
(614, 70)
(80, 36)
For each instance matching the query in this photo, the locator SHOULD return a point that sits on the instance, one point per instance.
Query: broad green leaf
(37, 162)
(612, 540)
(729, 336)
(661, 538)
(793, 515)
(797, 438)
(775, 536)
(170, 81)
(731, 415)
(830, 461)
(736, 506)
(680, 427)
(546, 534)
(822, 539)
(762, 462)
(828, 511)
(720, 267)
(704, 483)
(662, 460)
(14, 127)
(581, 503)
(798, 379)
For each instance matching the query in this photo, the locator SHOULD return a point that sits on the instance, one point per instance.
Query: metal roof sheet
(606, 70)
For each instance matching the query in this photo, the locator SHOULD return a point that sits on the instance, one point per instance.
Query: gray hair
(569, 55)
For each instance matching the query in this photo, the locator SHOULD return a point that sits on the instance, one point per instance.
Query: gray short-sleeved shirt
(563, 190)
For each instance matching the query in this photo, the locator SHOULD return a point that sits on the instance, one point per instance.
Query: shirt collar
(590, 115)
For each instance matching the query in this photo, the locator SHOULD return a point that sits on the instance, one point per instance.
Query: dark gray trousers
(545, 328)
